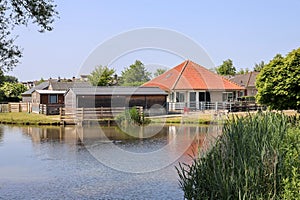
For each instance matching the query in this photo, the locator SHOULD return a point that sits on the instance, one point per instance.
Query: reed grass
(250, 160)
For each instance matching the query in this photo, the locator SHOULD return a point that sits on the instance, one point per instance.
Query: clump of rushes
(256, 157)
(132, 116)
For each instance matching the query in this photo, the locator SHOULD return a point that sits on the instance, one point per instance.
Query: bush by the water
(131, 116)
(256, 157)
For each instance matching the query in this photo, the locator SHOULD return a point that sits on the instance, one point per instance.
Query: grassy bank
(198, 118)
(257, 157)
(24, 118)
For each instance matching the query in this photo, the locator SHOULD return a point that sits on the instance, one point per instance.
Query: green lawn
(28, 119)
(186, 119)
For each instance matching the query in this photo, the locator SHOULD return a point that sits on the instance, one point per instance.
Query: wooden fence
(15, 107)
(4, 108)
(80, 115)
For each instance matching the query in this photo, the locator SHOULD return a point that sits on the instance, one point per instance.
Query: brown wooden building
(47, 101)
(96, 97)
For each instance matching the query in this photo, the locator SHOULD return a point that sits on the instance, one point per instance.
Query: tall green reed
(246, 162)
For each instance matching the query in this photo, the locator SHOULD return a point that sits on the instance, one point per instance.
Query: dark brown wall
(120, 101)
(61, 98)
(44, 98)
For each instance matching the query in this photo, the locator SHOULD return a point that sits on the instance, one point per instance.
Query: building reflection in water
(184, 138)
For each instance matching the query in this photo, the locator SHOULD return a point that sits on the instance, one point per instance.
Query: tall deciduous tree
(278, 83)
(101, 76)
(226, 68)
(21, 12)
(135, 75)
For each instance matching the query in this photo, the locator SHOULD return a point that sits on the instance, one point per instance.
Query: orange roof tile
(189, 75)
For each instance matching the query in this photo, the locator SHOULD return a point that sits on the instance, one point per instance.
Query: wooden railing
(79, 115)
(15, 107)
(46, 109)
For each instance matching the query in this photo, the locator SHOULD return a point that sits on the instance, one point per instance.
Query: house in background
(193, 86)
(27, 95)
(53, 84)
(47, 97)
(247, 81)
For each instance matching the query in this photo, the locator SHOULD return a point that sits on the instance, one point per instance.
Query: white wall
(216, 96)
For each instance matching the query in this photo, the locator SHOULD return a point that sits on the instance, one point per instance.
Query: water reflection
(58, 161)
(118, 150)
(201, 136)
(1, 135)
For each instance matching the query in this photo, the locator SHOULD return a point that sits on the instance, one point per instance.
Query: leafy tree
(226, 68)
(258, 67)
(159, 72)
(2, 77)
(278, 83)
(10, 79)
(40, 81)
(243, 71)
(14, 13)
(3, 80)
(101, 76)
(135, 75)
(12, 91)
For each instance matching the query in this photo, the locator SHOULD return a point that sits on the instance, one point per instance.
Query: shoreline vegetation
(195, 118)
(256, 157)
(23, 118)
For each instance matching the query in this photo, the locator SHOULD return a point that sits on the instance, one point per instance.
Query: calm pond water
(94, 162)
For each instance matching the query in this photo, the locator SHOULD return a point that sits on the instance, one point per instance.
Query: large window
(53, 98)
(201, 96)
(192, 96)
(204, 96)
(227, 96)
(180, 97)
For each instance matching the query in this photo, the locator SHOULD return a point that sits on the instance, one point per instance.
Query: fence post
(82, 114)
(60, 113)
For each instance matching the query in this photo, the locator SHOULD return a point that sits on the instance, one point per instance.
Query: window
(227, 96)
(179, 97)
(52, 98)
(201, 96)
(192, 96)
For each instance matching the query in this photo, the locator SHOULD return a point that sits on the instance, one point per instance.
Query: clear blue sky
(246, 32)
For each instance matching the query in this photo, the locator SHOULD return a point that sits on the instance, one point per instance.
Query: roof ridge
(217, 75)
(180, 74)
(250, 74)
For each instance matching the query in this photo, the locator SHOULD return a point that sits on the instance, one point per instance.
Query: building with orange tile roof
(188, 84)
